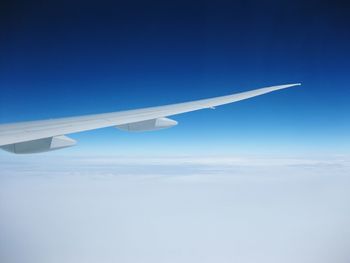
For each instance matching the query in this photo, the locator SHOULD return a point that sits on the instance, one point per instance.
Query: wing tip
(292, 85)
(285, 86)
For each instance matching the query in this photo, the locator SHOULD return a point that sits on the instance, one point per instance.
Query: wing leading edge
(16, 133)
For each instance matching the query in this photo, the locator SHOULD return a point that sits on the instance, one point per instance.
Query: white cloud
(180, 209)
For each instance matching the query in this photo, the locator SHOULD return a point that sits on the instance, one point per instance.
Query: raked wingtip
(295, 84)
(289, 85)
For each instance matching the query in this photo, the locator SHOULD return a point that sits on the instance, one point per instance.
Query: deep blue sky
(60, 58)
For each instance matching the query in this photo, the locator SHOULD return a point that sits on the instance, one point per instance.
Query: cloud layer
(174, 209)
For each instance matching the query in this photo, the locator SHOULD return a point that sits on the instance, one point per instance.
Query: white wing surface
(47, 135)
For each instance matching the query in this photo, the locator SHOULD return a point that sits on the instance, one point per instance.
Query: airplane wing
(48, 135)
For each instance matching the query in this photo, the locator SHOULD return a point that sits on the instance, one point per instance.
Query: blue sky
(62, 59)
